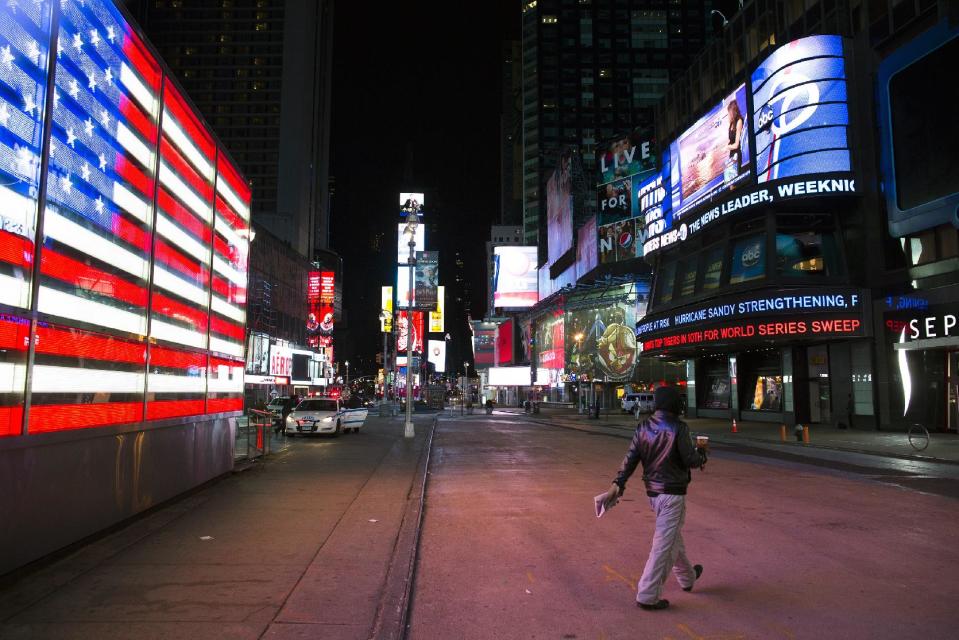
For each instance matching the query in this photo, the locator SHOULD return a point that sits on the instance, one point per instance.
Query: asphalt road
(841, 546)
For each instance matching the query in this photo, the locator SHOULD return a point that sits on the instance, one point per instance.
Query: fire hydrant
(798, 431)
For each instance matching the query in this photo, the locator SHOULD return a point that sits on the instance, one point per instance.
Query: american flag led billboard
(24, 50)
(144, 241)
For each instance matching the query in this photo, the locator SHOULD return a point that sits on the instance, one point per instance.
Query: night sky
(420, 80)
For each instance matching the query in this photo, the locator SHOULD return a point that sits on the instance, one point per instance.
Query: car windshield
(317, 405)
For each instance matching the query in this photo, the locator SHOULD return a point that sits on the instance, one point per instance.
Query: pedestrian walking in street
(663, 445)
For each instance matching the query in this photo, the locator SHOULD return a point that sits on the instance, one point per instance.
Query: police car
(324, 415)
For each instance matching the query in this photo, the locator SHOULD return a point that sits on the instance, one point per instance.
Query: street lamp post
(347, 375)
(466, 386)
(411, 229)
(384, 315)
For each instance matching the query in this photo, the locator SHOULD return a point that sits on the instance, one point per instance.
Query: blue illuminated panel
(24, 52)
(800, 110)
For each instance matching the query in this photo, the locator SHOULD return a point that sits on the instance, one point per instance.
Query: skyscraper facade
(593, 69)
(259, 72)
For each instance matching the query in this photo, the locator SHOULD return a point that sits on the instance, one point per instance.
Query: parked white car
(637, 403)
(324, 415)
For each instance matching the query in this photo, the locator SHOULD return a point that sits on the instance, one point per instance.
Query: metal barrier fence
(253, 435)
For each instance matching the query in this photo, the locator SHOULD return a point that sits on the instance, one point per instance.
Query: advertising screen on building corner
(145, 238)
(799, 128)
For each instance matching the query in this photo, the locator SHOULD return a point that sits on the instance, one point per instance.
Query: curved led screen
(800, 111)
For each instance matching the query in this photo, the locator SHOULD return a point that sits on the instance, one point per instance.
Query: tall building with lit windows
(259, 72)
(593, 69)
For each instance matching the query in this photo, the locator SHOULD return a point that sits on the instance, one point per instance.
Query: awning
(950, 343)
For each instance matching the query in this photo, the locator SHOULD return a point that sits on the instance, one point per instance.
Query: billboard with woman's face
(559, 209)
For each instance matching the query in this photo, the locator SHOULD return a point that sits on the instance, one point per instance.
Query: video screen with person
(712, 156)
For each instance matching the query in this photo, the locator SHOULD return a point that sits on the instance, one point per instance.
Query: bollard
(782, 432)
(798, 431)
(805, 435)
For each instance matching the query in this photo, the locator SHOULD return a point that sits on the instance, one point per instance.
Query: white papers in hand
(601, 506)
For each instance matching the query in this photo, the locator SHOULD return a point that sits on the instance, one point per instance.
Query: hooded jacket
(663, 445)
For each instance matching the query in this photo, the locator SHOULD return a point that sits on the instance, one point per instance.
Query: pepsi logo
(626, 239)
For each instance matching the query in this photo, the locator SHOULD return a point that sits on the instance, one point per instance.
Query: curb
(392, 614)
(786, 446)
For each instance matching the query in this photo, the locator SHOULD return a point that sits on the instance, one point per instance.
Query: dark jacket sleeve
(630, 461)
(692, 457)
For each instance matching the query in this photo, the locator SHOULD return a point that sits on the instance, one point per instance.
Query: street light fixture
(384, 316)
(721, 15)
(347, 363)
(466, 386)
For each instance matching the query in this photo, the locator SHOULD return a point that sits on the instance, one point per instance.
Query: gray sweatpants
(667, 550)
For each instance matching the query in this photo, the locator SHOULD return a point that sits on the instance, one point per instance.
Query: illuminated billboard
(403, 242)
(404, 295)
(801, 115)
(409, 333)
(712, 156)
(550, 340)
(602, 341)
(426, 278)
(23, 84)
(503, 349)
(410, 202)
(625, 156)
(799, 127)
(437, 355)
(618, 241)
(143, 251)
(559, 209)
(624, 166)
(321, 319)
(586, 255)
(436, 317)
(514, 277)
(386, 304)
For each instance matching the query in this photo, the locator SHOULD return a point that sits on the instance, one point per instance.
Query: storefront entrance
(952, 393)
(820, 402)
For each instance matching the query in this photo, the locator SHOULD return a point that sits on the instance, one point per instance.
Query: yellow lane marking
(614, 576)
(695, 636)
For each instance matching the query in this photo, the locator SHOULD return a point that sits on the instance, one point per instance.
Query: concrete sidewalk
(943, 447)
(315, 541)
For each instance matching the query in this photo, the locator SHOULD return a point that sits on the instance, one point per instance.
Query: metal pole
(408, 430)
(385, 363)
